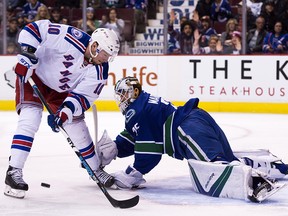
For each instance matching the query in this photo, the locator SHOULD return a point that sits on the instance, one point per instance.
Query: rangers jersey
(60, 50)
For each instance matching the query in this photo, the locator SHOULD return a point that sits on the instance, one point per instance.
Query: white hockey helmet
(124, 92)
(107, 40)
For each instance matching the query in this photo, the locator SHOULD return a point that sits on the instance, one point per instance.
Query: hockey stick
(115, 203)
(95, 117)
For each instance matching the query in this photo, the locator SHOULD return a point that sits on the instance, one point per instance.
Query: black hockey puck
(45, 185)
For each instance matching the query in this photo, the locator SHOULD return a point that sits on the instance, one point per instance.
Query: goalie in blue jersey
(153, 127)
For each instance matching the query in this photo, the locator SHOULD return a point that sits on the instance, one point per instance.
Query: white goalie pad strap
(233, 180)
(106, 149)
(253, 152)
(265, 164)
(262, 160)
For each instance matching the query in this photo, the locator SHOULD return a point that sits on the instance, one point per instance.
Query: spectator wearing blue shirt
(275, 41)
(221, 11)
(30, 10)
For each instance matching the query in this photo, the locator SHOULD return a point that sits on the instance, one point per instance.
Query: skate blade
(276, 188)
(19, 194)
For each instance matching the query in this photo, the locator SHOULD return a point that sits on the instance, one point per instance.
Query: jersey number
(54, 29)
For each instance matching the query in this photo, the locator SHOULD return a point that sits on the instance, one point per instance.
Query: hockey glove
(61, 118)
(25, 66)
(128, 179)
(106, 149)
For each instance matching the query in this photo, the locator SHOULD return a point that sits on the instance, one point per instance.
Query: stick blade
(123, 204)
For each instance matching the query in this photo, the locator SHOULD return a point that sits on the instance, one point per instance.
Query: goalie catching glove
(128, 179)
(25, 66)
(62, 117)
(106, 149)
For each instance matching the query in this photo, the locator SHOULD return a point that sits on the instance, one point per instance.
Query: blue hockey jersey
(144, 131)
(154, 127)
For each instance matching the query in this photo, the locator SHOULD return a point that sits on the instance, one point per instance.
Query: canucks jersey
(154, 127)
(60, 50)
(143, 137)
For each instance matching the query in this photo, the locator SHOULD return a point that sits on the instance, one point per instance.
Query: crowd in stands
(214, 28)
(134, 20)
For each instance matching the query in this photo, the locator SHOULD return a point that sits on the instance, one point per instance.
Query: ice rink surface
(168, 188)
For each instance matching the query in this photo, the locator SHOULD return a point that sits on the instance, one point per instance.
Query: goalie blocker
(233, 180)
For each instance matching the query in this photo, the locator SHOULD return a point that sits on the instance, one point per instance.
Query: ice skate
(15, 185)
(264, 188)
(106, 179)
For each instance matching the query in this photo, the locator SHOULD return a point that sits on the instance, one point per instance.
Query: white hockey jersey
(60, 51)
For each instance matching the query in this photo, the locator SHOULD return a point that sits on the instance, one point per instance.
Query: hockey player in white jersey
(70, 69)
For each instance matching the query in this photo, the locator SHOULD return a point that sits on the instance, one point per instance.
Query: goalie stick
(115, 203)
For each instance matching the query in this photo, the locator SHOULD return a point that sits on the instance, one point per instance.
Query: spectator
(185, 37)
(226, 36)
(140, 7)
(65, 21)
(10, 13)
(113, 22)
(56, 16)
(235, 47)
(42, 13)
(12, 49)
(255, 37)
(91, 22)
(275, 41)
(269, 15)
(112, 4)
(30, 10)
(250, 18)
(221, 11)
(203, 7)
(206, 31)
(20, 20)
(12, 31)
(214, 46)
(173, 45)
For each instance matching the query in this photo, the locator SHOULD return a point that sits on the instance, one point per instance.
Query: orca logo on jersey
(129, 114)
(136, 128)
(76, 33)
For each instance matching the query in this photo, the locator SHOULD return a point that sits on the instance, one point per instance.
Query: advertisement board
(257, 80)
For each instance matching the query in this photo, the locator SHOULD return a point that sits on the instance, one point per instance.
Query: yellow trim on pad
(209, 106)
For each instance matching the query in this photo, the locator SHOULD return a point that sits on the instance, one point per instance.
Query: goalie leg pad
(231, 180)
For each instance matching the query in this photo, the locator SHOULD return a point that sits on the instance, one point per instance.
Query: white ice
(168, 188)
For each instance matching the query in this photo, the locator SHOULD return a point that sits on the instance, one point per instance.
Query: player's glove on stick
(25, 66)
(61, 118)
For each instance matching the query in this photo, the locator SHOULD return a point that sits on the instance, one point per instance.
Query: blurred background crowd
(214, 27)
